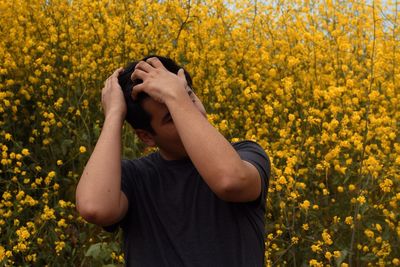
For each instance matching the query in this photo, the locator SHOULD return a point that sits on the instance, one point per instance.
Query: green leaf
(98, 251)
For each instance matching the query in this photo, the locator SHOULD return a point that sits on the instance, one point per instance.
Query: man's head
(150, 119)
(136, 116)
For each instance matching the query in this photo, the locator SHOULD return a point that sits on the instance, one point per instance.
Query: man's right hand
(112, 97)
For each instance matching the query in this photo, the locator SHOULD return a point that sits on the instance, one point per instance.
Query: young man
(198, 200)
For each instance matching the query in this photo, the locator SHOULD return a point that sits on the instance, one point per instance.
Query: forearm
(99, 190)
(214, 157)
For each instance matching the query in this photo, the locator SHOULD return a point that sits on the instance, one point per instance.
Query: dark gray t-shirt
(174, 219)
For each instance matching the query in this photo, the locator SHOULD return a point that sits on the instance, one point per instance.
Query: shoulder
(252, 152)
(147, 160)
(140, 165)
(246, 143)
(250, 146)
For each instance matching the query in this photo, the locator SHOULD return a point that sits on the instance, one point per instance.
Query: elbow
(88, 212)
(96, 215)
(238, 187)
(231, 187)
(229, 193)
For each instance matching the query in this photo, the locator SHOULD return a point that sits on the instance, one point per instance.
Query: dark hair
(136, 116)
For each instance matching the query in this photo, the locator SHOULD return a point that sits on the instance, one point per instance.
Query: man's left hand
(159, 83)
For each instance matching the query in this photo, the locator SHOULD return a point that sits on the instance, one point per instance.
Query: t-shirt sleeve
(128, 172)
(127, 175)
(253, 153)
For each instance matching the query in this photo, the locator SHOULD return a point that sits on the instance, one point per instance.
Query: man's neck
(168, 155)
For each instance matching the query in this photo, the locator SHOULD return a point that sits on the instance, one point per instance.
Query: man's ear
(146, 137)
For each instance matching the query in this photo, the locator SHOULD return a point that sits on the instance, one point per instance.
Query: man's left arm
(229, 177)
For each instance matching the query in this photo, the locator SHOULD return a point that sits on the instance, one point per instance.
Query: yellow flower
(361, 200)
(336, 219)
(315, 263)
(121, 258)
(386, 185)
(82, 149)
(349, 220)
(62, 203)
(2, 253)
(282, 180)
(325, 192)
(8, 136)
(305, 205)
(51, 174)
(326, 237)
(23, 233)
(317, 247)
(328, 255)
(9, 253)
(337, 254)
(61, 223)
(6, 195)
(59, 246)
(32, 257)
(369, 233)
(39, 181)
(25, 152)
(48, 213)
(85, 103)
(20, 195)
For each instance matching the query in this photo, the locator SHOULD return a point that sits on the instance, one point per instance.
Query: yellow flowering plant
(316, 83)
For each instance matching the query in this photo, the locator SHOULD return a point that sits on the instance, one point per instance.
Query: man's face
(166, 136)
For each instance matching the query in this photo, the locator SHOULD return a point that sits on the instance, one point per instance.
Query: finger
(138, 74)
(181, 74)
(117, 72)
(113, 76)
(143, 65)
(155, 62)
(107, 82)
(136, 90)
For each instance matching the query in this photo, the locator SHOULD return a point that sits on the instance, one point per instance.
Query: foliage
(315, 83)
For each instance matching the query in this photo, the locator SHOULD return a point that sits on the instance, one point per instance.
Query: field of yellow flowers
(316, 83)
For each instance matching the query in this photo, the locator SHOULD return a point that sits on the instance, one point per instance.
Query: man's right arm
(99, 198)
